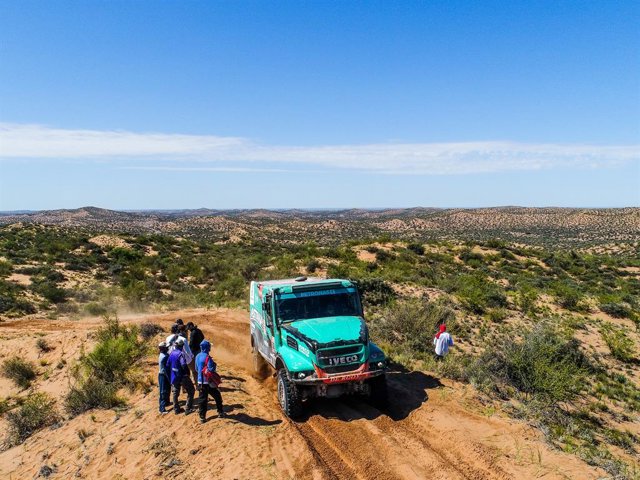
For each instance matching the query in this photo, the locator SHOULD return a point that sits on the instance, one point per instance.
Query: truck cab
(312, 332)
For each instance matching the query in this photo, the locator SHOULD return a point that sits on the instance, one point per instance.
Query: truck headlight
(301, 375)
(380, 364)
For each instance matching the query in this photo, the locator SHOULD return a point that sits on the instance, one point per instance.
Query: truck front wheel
(288, 395)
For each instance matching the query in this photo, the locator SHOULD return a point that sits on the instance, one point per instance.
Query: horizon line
(309, 209)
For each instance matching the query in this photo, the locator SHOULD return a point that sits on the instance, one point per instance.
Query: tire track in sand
(391, 454)
(351, 439)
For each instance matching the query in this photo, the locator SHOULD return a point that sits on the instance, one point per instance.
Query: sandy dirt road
(432, 430)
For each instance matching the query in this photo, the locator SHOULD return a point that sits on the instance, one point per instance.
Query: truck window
(317, 304)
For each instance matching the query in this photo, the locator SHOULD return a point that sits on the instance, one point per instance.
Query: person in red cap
(442, 341)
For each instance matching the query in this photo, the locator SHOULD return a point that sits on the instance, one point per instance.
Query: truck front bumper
(364, 372)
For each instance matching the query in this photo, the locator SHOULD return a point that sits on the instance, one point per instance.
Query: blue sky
(186, 104)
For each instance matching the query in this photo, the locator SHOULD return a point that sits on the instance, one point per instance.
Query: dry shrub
(21, 372)
(37, 412)
(90, 394)
(150, 330)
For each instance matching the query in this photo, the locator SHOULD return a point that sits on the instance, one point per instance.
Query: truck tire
(378, 395)
(259, 365)
(288, 395)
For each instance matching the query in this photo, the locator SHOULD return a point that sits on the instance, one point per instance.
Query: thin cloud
(38, 141)
(20, 141)
(210, 169)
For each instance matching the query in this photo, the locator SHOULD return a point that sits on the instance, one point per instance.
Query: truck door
(269, 325)
(259, 320)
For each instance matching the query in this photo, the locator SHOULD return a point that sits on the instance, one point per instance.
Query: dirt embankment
(433, 429)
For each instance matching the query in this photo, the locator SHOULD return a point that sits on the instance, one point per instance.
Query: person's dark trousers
(186, 384)
(205, 391)
(163, 386)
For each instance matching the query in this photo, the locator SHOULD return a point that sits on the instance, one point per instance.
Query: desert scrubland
(543, 382)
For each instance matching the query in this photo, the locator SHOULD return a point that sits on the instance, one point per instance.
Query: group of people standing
(178, 363)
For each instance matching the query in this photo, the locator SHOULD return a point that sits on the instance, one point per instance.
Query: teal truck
(312, 333)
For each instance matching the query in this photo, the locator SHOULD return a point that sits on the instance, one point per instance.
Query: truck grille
(338, 352)
(340, 359)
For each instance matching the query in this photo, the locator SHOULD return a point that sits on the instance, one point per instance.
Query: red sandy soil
(433, 429)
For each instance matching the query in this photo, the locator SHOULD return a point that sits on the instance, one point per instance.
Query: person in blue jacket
(179, 371)
(204, 387)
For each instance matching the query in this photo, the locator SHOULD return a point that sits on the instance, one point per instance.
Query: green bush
(50, 291)
(117, 351)
(478, 293)
(496, 243)
(526, 298)
(384, 256)
(544, 366)
(125, 256)
(313, 265)
(233, 288)
(617, 310)
(110, 359)
(37, 412)
(13, 306)
(471, 258)
(5, 268)
(620, 345)
(95, 309)
(21, 372)
(107, 368)
(569, 296)
(497, 314)
(416, 248)
(11, 301)
(375, 291)
(412, 324)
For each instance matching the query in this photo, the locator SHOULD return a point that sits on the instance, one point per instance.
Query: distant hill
(570, 226)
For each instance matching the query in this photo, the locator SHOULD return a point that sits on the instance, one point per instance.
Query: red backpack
(210, 376)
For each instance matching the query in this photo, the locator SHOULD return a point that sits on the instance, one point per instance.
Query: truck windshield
(318, 304)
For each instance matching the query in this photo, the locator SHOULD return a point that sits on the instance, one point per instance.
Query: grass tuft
(21, 372)
(620, 345)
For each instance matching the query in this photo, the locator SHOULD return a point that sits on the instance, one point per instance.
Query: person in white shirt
(171, 341)
(442, 341)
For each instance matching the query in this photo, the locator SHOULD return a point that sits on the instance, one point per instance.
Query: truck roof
(273, 284)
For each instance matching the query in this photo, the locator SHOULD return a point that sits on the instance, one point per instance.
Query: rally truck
(312, 332)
